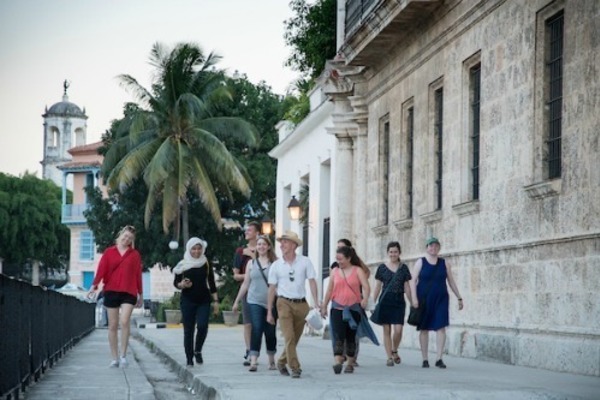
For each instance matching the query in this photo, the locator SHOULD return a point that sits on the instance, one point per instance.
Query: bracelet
(460, 299)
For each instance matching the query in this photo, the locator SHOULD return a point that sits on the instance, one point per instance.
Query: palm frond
(231, 128)
(163, 163)
(130, 167)
(205, 190)
(170, 203)
(138, 91)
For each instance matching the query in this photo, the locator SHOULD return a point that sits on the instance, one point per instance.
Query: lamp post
(294, 209)
(173, 245)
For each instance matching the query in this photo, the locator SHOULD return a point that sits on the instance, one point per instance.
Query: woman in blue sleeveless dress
(430, 275)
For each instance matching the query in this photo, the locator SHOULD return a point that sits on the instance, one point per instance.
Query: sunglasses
(292, 275)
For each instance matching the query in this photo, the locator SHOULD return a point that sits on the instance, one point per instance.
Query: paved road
(83, 374)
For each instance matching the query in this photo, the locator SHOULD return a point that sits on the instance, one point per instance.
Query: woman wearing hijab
(196, 279)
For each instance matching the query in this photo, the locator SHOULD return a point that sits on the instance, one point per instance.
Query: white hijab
(188, 261)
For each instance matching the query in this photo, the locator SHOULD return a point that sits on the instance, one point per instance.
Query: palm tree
(172, 139)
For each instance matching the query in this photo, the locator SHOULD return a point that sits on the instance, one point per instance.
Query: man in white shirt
(287, 277)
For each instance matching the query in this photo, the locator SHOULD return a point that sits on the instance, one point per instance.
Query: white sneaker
(114, 364)
(124, 363)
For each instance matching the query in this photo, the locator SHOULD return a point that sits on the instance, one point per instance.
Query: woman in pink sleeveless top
(344, 291)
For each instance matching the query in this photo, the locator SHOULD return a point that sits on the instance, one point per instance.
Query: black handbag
(376, 315)
(415, 314)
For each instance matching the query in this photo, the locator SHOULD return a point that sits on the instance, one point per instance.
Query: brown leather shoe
(283, 370)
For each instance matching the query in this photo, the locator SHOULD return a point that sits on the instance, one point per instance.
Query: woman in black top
(196, 279)
(393, 278)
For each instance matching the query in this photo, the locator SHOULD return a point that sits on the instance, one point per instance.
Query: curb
(155, 325)
(197, 386)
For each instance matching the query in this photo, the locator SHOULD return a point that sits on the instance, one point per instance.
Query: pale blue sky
(89, 42)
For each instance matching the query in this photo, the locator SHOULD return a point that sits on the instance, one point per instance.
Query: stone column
(343, 190)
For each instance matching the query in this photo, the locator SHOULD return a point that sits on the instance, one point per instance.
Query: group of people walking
(273, 290)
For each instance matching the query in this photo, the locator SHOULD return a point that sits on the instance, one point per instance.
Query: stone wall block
(492, 347)
(572, 355)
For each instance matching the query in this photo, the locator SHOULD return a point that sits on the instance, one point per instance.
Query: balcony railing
(355, 12)
(73, 213)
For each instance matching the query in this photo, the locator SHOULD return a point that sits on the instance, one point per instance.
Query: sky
(90, 42)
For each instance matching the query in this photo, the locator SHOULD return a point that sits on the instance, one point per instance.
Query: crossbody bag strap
(390, 284)
(347, 283)
(262, 272)
(112, 271)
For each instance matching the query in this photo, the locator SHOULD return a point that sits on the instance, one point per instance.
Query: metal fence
(37, 327)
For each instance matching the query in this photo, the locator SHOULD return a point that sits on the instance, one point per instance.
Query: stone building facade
(477, 122)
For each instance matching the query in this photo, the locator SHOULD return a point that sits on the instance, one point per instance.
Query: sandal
(272, 367)
(253, 368)
(337, 368)
(349, 369)
(390, 362)
(396, 357)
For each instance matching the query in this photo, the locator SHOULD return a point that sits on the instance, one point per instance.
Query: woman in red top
(120, 269)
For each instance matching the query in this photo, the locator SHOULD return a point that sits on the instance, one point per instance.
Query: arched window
(54, 137)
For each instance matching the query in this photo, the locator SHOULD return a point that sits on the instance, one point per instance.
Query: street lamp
(267, 226)
(294, 208)
(173, 245)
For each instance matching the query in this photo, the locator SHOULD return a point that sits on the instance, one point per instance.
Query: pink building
(85, 170)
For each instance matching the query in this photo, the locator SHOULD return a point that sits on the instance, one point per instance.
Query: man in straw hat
(287, 278)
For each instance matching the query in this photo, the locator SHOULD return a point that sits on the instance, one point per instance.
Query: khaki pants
(291, 322)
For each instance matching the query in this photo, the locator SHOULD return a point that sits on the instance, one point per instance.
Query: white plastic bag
(370, 304)
(314, 319)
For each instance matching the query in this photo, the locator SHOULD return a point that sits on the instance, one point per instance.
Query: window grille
(438, 132)
(555, 32)
(475, 128)
(385, 170)
(410, 160)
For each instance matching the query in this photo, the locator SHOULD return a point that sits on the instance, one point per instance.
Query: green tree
(311, 34)
(30, 222)
(258, 105)
(175, 141)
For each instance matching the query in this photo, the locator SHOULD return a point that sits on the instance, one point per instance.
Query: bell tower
(65, 126)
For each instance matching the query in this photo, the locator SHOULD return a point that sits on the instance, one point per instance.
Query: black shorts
(115, 299)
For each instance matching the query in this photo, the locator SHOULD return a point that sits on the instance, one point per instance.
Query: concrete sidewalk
(84, 374)
(223, 376)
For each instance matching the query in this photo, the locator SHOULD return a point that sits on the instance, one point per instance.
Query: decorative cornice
(381, 229)
(337, 79)
(544, 189)
(467, 208)
(432, 217)
(403, 224)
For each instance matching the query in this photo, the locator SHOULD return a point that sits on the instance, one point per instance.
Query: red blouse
(120, 273)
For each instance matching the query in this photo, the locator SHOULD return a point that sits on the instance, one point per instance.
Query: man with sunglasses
(287, 279)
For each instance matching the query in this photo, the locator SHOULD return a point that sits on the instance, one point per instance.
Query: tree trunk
(185, 222)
